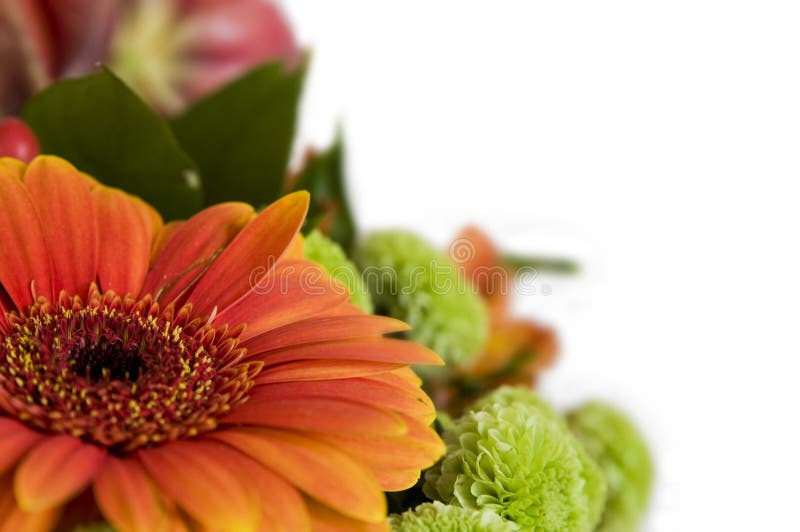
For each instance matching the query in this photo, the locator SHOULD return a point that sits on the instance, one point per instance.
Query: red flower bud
(17, 140)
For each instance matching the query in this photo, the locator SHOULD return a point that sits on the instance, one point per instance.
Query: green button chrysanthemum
(411, 281)
(595, 488)
(622, 454)
(332, 257)
(511, 454)
(438, 517)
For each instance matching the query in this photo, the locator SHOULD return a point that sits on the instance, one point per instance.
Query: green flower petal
(438, 517)
(332, 257)
(622, 454)
(411, 281)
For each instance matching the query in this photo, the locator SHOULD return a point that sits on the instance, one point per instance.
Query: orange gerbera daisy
(193, 375)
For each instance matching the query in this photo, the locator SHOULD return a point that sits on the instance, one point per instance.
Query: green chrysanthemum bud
(411, 281)
(513, 455)
(622, 454)
(438, 517)
(513, 395)
(332, 257)
(595, 489)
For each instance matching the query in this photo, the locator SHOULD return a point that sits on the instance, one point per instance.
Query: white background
(657, 142)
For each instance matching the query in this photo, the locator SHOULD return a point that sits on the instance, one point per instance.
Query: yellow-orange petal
(322, 370)
(125, 234)
(314, 413)
(397, 479)
(412, 390)
(15, 440)
(63, 199)
(290, 292)
(372, 349)
(282, 506)
(54, 471)
(255, 250)
(324, 329)
(408, 375)
(324, 519)
(361, 390)
(193, 247)
(418, 449)
(197, 477)
(162, 237)
(21, 232)
(128, 499)
(13, 519)
(296, 249)
(12, 167)
(319, 470)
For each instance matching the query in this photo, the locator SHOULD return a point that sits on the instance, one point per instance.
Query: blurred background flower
(17, 140)
(170, 51)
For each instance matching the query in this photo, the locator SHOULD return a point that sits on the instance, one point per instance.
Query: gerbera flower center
(120, 373)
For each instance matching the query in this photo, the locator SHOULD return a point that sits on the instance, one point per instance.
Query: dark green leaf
(241, 136)
(104, 129)
(323, 176)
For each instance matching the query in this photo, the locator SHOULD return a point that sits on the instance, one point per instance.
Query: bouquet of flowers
(195, 336)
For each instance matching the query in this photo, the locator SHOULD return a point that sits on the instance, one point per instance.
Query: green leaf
(323, 176)
(241, 136)
(103, 128)
(541, 264)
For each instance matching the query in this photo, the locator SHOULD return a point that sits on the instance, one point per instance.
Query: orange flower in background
(193, 374)
(517, 349)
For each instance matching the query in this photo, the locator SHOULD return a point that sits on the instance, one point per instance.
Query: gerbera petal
(193, 247)
(322, 370)
(63, 199)
(319, 470)
(296, 249)
(15, 520)
(128, 499)
(326, 328)
(15, 440)
(418, 449)
(373, 349)
(198, 479)
(282, 506)
(397, 479)
(321, 414)
(409, 388)
(162, 237)
(361, 390)
(126, 231)
(21, 231)
(54, 471)
(292, 291)
(324, 519)
(12, 167)
(5, 404)
(255, 250)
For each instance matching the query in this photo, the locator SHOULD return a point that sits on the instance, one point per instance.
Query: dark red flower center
(120, 373)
